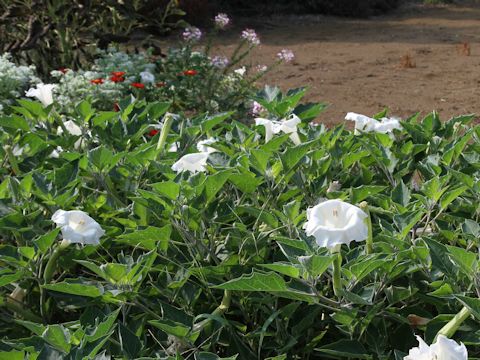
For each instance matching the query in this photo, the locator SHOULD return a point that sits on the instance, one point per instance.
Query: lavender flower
(220, 62)
(286, 55)
(192, 34)
(251, 36)
(221, 21)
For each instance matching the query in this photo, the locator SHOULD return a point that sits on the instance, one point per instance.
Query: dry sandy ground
(354, 65)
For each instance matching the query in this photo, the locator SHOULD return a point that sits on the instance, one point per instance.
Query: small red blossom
(153, 132)
(190, 72)
(117, 79)
(63, 70)
(138, 85)
(118, 73)
(116, 107)
(97, 81)
(161, 84)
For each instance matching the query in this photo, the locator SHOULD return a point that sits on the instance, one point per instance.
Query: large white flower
(78, 227)
(147, 77)
(334, 222)
(42, 92)
(366, 124)
(202, 146)
(288, 126)
(443, 349)
(191, 162)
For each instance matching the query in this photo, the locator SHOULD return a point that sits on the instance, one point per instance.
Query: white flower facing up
(222, 21)
(78, 227)
(202, 146)
(443, 349)
(43, 92)
(335, 222)
(366, 124)
(196, 162)
(147, 77)
(287, 126)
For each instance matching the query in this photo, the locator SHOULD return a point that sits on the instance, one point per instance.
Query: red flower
(153, 132)
(161, 84)
(190, 72)
(63, 70)
(117, 79)
(118, 74)
(138, 85)
(116, 107)
(97, 81)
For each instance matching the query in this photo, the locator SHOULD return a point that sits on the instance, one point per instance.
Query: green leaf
(472, 304)
(8, 279)
(45, 242)
(246, 182)
(283, 268)
(345, 348)
(148, 238)
(315, 265)
(406, 221)
(362, 192)
(210, 356)
(214, 183)
(75, 289)
(209, 123)
(17, 123)
(172, 328)
(58, 337)
(451, 195)
(256, 282)
(169, 189)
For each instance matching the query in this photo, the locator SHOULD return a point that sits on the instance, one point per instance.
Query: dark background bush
(354, 8)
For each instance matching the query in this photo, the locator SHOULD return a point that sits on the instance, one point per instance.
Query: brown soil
(419, 58)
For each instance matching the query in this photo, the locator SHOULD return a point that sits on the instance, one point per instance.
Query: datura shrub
(146, 234)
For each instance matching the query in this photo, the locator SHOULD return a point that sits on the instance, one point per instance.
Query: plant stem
(337, 272)
(164, 134)
(12, 160)
(452, 326)
(18, 309)
(52, 262)
(219, 311)
(369, 242)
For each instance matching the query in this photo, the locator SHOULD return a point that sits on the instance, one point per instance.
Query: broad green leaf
(148, 238)
(315, 265)
(172, 328)
(75, 289)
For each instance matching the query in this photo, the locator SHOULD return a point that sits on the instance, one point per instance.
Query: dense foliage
(217, 261)
(58, 33)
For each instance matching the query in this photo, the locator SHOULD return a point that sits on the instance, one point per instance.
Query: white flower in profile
(147, 77)
(202, 146)
(443, 349)
(287, 126)
(193, 163)
(366, 124)
(72, 128)
(43, 92)
(78, 227)
(55, 154)
(335, 222)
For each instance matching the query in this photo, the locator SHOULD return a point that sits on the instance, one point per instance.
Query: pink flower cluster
(220, 62)
(192, 34)
(251, 37)
(222, 21)
(286, 55)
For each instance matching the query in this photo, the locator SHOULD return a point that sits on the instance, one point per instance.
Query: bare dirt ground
(355, 65)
